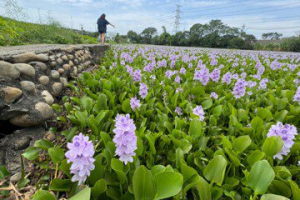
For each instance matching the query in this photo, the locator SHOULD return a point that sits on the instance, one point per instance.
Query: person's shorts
(101, 31)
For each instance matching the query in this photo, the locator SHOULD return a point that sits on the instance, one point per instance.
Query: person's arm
(107, 22)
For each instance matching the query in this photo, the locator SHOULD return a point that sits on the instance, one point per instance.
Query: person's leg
(99, 38)
(102, 37)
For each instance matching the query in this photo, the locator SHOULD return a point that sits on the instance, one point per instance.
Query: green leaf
(43, 144)
(126, 106)
(168, 184)
(87, 103)
(241, 143)
(61, 185)
(272, 145)
(256, 123)
(31, 153)
(203, 189)
(57, 154)
(99, 188)
(215, 170)
(117, 166)
(43, 195)
(207, 104)
(143, 184)
(3, 172)
(273, 197)
(82, 195)
(217, 111)
(280, 116)
(260, 177)
(295, 190)
(255, 156)
(196, 128)
(101, 103)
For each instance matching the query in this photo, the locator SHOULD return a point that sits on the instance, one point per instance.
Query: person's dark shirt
(102, 23)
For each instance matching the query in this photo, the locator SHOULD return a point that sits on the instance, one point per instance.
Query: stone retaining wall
(31, 80)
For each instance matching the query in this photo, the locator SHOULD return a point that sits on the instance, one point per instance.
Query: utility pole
(177, 19)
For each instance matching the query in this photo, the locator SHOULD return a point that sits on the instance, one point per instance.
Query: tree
(271, 36)
(147, 34)
(133, 37)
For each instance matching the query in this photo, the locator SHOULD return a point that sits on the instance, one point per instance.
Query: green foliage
(228, 155)
(14, 32)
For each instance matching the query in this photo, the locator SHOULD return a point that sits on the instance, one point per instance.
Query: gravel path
(38, 48)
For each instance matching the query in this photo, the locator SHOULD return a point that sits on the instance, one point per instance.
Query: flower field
(177, 123)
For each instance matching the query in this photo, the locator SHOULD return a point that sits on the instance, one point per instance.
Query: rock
(65, 58)
(68, 49)
(66, 67)
(30, 56)
(53, 64)
(28, 86)
(41, 65)
(61, 70)
(50, 136)
(75, 70)
(52, 58)
(71, 63)
(76, 61)
(21, 143)
(25, 69)
(64, 81)
(55, 74)
(80, 68)
(59, 61)
(70, 57)
(10, 94)
(24, 121)
(42, 57)
(48, 97)
(37, 116)
(44, 109)
(16, 177)
(56, 88)
(8, 70)
(44, 80)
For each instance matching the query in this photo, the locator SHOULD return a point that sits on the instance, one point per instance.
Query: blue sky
(258, 16)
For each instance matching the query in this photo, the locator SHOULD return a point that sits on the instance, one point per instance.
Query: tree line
(214, 34)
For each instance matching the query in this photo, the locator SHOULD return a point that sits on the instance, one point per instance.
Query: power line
(177, 19)
(245, 12)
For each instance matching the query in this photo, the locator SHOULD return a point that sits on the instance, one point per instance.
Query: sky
(257, 16)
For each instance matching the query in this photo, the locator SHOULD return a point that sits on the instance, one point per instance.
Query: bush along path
(174, 123)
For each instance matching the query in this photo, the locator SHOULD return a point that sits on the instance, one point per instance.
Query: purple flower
(80, 154)
(135, 103)
(297, 95)
(287, 132)
(125, 139)
(143, 90)
(182, 70)
(198, 110)
(263, 84)
(215, 75)
(213, 62)
(178, 110)
(137, 76)
(177, 79)
(179, 89)
(214, 95)
(239, 89)
(202, 76)
(129, 70)
(226, 78)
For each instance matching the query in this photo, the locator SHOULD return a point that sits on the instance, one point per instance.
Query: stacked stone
(30, 82)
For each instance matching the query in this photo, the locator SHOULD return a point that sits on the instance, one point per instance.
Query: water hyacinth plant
(179, 123)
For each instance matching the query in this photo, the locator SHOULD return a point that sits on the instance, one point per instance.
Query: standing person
(102, 23)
